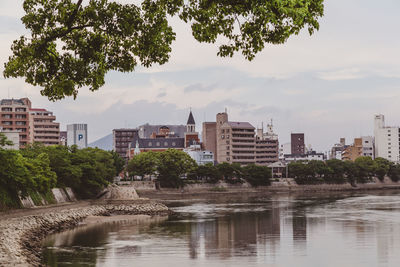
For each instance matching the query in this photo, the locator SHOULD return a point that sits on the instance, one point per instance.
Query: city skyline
(322, 85)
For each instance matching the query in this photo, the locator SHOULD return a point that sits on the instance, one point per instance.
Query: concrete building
(267, 146)
(235, 141)
(386, 140)
(201, 157)
(77, 135)
(122, 138)
(14, 115)
(209, 136)
(33, 124)
(337, 149)
(13, 136)
(297, 144)
(43, 128)
(368, 146)
(238, 142)
(353, 151)
(362, 146)
(310, 155)
(285, 149)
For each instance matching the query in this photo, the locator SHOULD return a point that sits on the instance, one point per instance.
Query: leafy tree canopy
(75, 43)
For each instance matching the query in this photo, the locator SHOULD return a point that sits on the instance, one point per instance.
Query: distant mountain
(105, 143)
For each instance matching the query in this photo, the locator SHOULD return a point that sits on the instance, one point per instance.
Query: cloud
(345, 74)
(198, 87)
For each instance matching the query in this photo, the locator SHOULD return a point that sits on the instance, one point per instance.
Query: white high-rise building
(386, 140)
(77, 135)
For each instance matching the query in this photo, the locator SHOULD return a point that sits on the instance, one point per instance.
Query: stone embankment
(20, 237)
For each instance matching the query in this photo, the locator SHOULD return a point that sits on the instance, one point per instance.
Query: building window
(150, 143)
(227, 142)
(173, 144)
(158, 144)
(222, 136)
(223, 131)
(227, 152)
(165, 144)
(227, 136)
(228, 159)
(227, 147)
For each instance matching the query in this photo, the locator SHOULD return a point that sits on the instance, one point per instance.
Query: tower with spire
(191, 136)
(191, 124)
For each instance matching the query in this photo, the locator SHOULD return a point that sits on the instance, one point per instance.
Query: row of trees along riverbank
(335, 171)
(37, 169)
(171, 165)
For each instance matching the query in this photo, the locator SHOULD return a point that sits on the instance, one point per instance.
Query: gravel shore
(20, 237)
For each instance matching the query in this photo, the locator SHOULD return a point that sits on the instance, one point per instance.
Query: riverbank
(209, 192)
(21, 236)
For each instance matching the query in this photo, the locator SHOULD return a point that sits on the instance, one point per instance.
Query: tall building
(235, 141)
(267, 146)
(43, 127)
(353, 151)
(33, 124)
(14, 114)
(386, 140)
(77, 135)
(209, 136)
(238, 142)
(121, 140)
(285, 149)
(337, 149)
(297, 144)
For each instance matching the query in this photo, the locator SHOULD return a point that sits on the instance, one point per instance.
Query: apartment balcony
(243, 149)
(44, 117)
(246, 161)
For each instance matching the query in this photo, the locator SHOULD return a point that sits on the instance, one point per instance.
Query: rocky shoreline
(20, 237)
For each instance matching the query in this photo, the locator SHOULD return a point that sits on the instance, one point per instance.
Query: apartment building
(267, 146)
(121, 140)
(14, 115)
(297, 144)
(43, 127)
(235, 141)
(386, 140)
(238, 142)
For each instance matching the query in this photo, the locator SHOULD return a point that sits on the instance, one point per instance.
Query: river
(281, 230)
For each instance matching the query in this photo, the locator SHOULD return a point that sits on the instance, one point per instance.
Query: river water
(357, 230)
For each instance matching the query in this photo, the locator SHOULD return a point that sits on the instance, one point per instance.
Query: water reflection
(279, 231)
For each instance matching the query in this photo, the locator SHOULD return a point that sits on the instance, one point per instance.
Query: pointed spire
(190, 120)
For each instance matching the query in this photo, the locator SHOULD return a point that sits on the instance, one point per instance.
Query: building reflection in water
(236, 234)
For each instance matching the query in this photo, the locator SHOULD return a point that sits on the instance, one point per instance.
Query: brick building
(297, 144)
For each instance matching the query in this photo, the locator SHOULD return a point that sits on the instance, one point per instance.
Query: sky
(328, 85)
